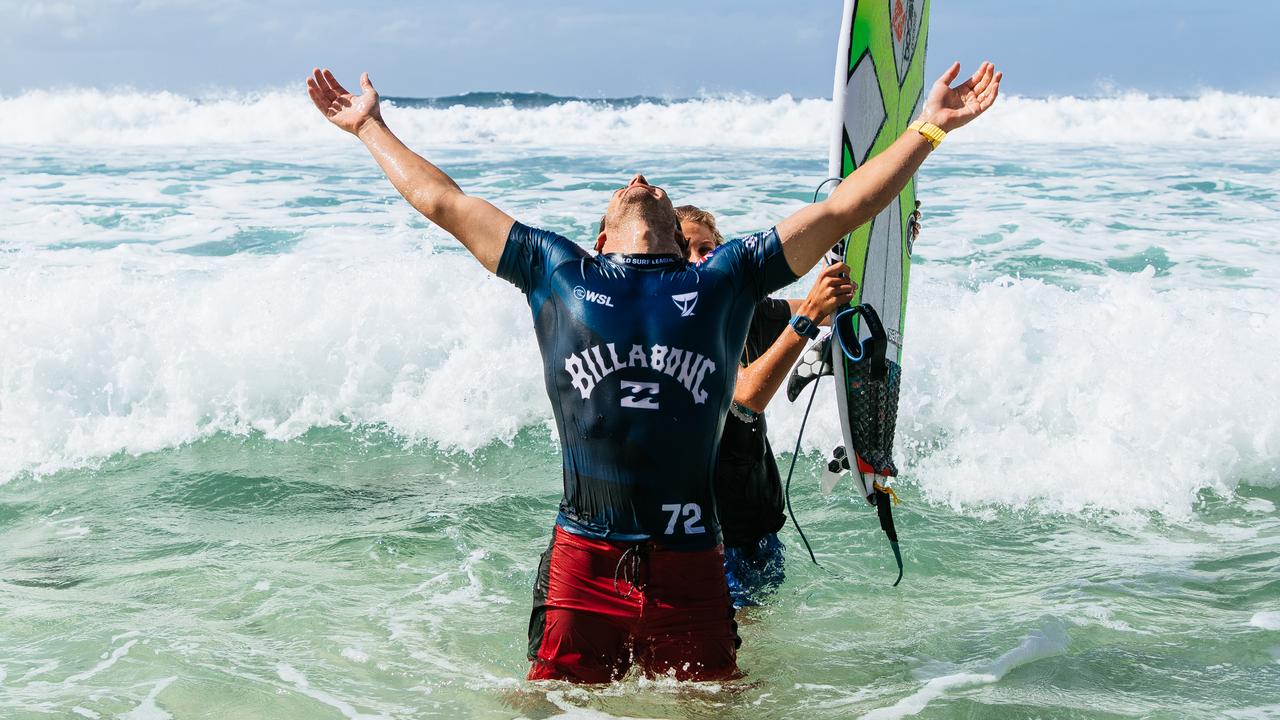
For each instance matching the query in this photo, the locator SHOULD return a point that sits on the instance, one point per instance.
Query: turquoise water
(272, 446)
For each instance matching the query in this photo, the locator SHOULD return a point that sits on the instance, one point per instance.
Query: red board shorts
(599, 606)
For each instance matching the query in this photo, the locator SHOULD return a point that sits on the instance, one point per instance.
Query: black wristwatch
(804, 327)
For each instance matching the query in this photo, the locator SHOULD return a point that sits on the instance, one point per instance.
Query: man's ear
(600, 239)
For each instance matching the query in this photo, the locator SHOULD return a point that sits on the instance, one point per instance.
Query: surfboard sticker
(879, 88)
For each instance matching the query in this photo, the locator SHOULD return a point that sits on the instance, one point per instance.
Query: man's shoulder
(739, 251)
(531, 254)
(552, 246)
(520, 231)
(748, 242)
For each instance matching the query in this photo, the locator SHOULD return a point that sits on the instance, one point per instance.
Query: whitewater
(272, 445)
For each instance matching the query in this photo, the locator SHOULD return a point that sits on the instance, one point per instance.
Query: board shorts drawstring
(628, 569)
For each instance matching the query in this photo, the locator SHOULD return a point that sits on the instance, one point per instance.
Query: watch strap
(805, 327)
(929, 131)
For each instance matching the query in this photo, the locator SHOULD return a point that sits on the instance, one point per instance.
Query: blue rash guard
(640, 354)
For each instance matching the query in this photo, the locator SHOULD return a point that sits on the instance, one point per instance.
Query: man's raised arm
(478, 225)
(811, 231)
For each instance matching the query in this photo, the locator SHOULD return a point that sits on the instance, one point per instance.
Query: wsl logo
(686, 302)
(592, 296)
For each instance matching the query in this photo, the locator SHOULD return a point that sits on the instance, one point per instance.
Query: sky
(592, 48)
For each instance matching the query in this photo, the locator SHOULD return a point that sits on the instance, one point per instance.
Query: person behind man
(636, 345)
(748, 488)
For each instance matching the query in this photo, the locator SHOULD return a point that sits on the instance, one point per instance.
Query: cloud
(60, 16)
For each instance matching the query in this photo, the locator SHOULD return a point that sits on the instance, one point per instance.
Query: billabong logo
(593, 365)
(636, 392)
(592, 296)
(686, 302)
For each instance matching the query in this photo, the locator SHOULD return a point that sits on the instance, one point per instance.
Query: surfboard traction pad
(872, 425)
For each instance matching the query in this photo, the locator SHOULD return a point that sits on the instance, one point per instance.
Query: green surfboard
(879, 89)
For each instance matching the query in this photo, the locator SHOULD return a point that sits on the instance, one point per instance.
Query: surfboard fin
(814, 363)
(836, 466)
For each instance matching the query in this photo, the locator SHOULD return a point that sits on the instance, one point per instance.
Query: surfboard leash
(795, 453)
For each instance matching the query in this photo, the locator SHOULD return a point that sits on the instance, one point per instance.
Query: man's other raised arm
(812, 230)
(478, 225)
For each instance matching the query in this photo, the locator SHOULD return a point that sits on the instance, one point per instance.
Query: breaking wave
(95, 117)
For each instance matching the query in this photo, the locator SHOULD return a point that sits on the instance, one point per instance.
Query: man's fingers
(321, 87)
(989, 93)
(334, 84)
(984, 78)
(834, 269)
(950, 74)
(321, 84)
(365, 84)
(314, 93)
(980, 73)
(979, 82)
(992, 92)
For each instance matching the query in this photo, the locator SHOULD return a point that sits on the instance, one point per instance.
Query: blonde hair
(693, 213)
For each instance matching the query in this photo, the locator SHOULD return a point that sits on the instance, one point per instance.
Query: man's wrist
(927, 118)
(930, 132)
(369, 125)
(804, 326)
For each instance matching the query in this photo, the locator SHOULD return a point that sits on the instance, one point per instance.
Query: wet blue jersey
(640, 354)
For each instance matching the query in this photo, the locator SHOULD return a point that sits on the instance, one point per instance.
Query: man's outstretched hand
(347, 111)
(952, 107)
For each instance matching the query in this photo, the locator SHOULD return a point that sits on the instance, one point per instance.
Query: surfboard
(879, 88)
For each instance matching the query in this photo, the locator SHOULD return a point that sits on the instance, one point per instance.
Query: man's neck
(638, 238)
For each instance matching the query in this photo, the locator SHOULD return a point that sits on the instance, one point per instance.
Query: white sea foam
(148, 709)
(1048, 641)
(125, 117)
(116, 360)
(300, 683)
(1131, 392)
(1269, 620)
(1120, 396)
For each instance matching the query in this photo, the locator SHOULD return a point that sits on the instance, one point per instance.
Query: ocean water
(273, 446)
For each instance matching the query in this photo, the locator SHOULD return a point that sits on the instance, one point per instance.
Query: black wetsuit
(638, 354)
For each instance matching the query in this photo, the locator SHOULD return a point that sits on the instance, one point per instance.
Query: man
(637, 345)
(748, 489)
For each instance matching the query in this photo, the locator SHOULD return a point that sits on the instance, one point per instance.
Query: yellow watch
(931, 132)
